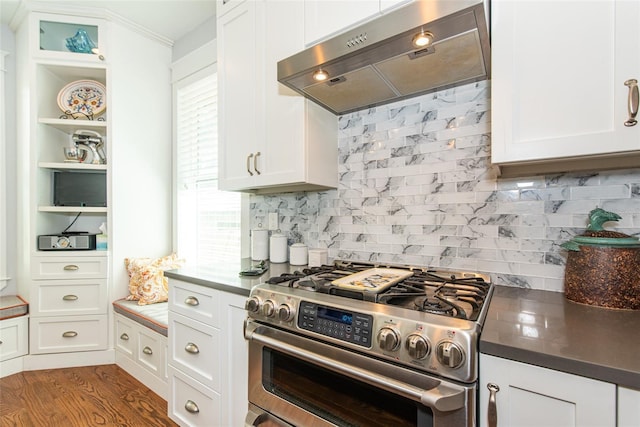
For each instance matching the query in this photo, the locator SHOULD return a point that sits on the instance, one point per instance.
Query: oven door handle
(443, 397)
(257, 417)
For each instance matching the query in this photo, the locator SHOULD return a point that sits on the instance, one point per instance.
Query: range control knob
(450, 354)
(269, 308)
(388, 339)
(286, 312)
(417, 346)
(252, 305)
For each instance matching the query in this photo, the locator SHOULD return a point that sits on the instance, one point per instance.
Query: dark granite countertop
(545, 329)
(225, 277)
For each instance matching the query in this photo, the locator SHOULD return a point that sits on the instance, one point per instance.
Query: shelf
(71, 125)
(72, 209)
(85, 167)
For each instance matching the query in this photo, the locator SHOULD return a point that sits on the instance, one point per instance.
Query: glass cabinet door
(69, 36)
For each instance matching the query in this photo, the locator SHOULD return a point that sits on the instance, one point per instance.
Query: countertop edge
(582, 368)
(238, 290)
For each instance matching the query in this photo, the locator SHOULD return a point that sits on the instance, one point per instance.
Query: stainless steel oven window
(336, 398)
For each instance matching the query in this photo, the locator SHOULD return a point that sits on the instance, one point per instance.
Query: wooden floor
(88, 396)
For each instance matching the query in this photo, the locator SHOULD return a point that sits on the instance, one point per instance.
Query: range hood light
(422, 39)
(320, 75)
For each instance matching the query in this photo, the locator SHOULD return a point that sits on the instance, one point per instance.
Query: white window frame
(190, 64)
(4, 274)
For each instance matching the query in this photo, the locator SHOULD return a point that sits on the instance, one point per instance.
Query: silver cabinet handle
(249, 164)
(492, 412)
(192, 301)
(71, 267)
(191, 406)
(147, 350)
(191, 348)
(124, 337)
(69, 334)
(255, 163)
(632, 105)
(70, 298)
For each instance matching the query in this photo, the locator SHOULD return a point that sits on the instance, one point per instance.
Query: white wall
(200, 36)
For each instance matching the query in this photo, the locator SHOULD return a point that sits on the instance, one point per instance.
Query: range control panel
(344, 325)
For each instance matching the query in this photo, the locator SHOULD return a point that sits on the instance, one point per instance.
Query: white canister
(259, 245)
(298, 254)
(278, 248)
(318, 257)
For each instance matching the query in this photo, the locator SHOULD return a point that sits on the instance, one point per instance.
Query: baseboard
(34, 362)
(159, 387)
(11, 366)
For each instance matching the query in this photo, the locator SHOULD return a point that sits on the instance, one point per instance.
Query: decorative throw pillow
(147, 283)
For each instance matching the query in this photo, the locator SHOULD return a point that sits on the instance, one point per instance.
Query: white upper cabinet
(73, 38)
(558, 79)
(271, 138)
(323, 18)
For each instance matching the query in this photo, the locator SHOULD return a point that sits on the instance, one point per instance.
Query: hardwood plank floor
(103, 395)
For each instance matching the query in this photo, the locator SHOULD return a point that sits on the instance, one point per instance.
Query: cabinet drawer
(196, 302)
(196, 349)
(13, 337)
(68, 334)
(69, 268)
(151, 352)
(126, 337)
(70, 297)
(191, 403)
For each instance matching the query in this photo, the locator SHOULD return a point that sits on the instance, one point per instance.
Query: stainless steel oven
(323, 359)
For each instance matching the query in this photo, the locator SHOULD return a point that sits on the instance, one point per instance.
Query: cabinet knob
(191, 348)
(191, 406)
(70, 298)
(147, 350)
(632, 104)
(71, 267)
(124, 337)
(69, 334)
(192, 301)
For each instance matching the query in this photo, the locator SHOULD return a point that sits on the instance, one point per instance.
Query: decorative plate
(373, 279)
(83, 97)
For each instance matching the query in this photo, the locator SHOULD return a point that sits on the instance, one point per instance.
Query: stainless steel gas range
(360, 344)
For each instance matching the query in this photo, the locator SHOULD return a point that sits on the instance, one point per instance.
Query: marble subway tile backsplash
(417, 187)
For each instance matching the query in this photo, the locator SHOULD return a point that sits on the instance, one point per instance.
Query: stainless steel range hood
(376, 63)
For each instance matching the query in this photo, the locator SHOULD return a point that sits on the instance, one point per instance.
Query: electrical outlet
(273, 220)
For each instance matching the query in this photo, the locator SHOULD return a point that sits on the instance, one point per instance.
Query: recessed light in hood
(385, 66)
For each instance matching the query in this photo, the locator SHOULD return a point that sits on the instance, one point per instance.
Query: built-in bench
(141, 342)
(153, 316)
(14, 333)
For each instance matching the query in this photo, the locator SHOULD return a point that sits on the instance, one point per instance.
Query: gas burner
(448, 293)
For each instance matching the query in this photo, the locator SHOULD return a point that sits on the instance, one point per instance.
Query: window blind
(208, 220)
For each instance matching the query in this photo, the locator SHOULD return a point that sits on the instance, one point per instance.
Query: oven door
(304, 382)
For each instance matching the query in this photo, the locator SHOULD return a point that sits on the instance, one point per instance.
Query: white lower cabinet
(142, 352)
(13, 337)
(207, 357)
(533, 396)
(628, 407)
(63, 334)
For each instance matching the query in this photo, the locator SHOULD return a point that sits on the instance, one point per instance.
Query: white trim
(4, 279)
(198, 59)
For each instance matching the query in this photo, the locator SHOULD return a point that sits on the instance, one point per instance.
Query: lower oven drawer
(191, 403)
(68, 334)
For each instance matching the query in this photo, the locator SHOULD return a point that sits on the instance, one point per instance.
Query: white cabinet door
(534, 396)
(558, 78)
(240, 77)
(238, 360)
(323, 18)
(628, 407)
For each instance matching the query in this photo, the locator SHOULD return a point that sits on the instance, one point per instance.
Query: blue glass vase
(81, 42)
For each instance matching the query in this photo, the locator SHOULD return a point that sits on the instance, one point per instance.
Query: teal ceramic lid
(596, 235)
